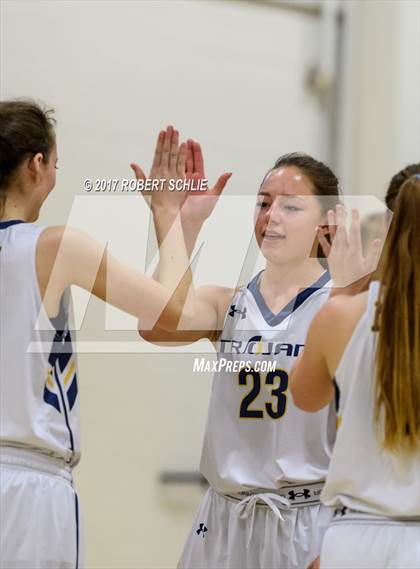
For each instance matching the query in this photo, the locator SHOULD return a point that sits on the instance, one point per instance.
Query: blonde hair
(397, 320)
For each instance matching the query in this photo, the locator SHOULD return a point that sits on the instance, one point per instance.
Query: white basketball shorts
(39, 513)
(256, 533)
(355, 540)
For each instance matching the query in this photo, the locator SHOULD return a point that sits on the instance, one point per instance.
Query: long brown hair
(397, 318)
(26, 128)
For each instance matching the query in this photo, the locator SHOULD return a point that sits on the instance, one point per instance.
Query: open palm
(199, 205)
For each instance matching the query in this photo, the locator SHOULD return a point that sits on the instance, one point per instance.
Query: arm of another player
(211, 305)
(68, 256)
(211, 302)
(311, 379)
(328, 336)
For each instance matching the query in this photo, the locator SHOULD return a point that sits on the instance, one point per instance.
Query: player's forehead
(286, 180)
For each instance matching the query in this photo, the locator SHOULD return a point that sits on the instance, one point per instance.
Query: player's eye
(262, 205)
(292, 208)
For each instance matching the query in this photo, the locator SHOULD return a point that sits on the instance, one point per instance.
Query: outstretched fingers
(372, 255)
(173, 153)
(182, 157)
(355, 233)
(158, 150)
(323, 241)
(166, 150)
(198, 159)
(219, 186)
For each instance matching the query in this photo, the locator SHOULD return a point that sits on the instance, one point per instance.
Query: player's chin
(275, 254)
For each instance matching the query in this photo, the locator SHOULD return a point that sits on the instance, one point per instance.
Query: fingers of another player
(182, 160)
(341, 234)
(323, 241)
(332, 223)
(355, 236)
(138, 172)
(373, 254)
(219, 186)
(198, 159)
(166, 149)
(173, 153)
(190, 158)
(158, 150)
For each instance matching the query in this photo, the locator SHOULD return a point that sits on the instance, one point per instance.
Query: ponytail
(397, 319)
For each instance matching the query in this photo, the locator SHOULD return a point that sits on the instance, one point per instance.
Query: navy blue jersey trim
(336, 395)
(6, 224)
(66, 417)
(275, 319)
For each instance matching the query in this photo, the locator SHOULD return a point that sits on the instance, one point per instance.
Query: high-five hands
(199, 205)
(180, 162)
(169, 163)
(346, 261)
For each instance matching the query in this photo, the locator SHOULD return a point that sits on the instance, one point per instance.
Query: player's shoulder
(219, 296)
(340, 309)
(53, 237)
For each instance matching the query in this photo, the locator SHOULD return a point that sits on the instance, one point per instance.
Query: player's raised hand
(199, 204)
(169, 163)
(346, 260)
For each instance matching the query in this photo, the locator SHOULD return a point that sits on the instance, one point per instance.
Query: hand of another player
(315, 564)
(169, 163)
(346, 261)
(199, 204)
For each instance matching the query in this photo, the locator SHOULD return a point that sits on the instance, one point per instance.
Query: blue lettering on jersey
(258, 346)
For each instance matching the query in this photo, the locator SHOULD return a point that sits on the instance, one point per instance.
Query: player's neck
(291, 277)
(15, 208)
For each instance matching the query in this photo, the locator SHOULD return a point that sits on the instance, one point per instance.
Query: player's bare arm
(311, 379)
(211, 302)
(67, 256)
(211, 305)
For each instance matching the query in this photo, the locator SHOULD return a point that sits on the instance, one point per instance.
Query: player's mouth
(272, 236)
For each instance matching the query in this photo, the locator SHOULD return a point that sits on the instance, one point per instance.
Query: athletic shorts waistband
(349, 515)
(295, 495)
(32, 460)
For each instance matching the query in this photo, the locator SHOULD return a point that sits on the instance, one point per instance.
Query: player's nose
(274, 213)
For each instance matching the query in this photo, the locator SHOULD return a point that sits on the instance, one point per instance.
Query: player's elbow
(151, 336)
(303, 403)
(302, 397)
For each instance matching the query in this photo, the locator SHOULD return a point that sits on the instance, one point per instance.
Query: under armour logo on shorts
(304, 494)
(202, 528)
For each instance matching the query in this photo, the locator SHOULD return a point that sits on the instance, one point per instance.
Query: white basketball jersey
(362, 475)
(38, 391)
(255, 436)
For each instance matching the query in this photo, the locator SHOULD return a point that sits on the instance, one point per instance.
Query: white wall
(380, 120)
